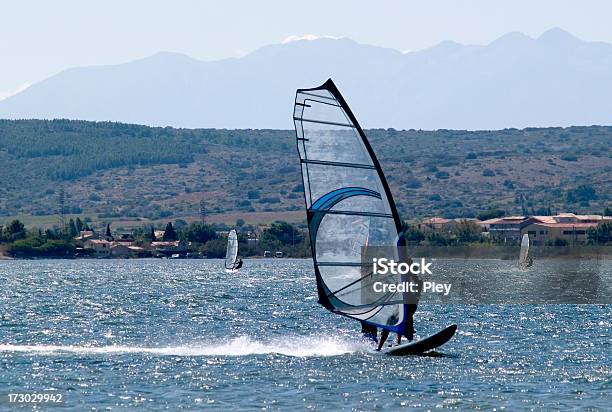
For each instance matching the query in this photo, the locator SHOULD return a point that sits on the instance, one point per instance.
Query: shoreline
(434, 257)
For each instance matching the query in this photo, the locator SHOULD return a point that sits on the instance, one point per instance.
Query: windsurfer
(410, 306)
(408, 332)
(238, 264)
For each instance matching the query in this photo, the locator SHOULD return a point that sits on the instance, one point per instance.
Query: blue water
(183, 334)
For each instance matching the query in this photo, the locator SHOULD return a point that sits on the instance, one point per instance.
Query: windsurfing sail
(348, 206)
(232, 250)
(524, 258)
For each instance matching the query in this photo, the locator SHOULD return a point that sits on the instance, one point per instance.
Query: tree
(179, 224)
(15, 230)
(152, 234)
(240, 222)
(601, 234)
(284, 233)
(199, 232)
(436, 239)
(109, 235)
(72, 228)
(79, 225)
(490, 214)
(170, 234)
(608, 211)
(412, 234)
(215, 248)
(37, 245)
(285, 237)
(56, 248)
(582, 193)
(467, 232)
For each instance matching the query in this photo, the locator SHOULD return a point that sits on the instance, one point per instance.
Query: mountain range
(515, 81)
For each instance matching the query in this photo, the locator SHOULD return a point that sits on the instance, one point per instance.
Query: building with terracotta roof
(121, 250)
(436, 224)
(85, 234)
(505, 229)
(573, 233)
(573, 218)
(170, 248)
(101, 247)
(568, 226)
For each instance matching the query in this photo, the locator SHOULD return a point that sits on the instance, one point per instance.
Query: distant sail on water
(524, 253)
(348, 205)
(231, 252)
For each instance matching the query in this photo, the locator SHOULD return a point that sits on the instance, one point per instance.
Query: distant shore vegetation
(196, 240)
(123, 171)
(201, 240)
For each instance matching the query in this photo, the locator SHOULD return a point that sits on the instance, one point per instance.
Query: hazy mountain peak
(308, 37)
(557, 35)
(515, 81)
(512, 38)
(320, 45)
(168, 56)
(446, 46)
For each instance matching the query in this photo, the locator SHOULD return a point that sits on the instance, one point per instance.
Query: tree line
(210, 241)
(205, 239)
(468, 232)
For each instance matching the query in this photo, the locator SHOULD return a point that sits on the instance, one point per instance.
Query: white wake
(241, 346)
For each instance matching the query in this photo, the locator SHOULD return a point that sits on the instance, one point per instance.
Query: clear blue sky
(41, 38)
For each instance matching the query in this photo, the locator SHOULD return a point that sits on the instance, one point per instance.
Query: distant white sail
(524, 259)
(232, 250)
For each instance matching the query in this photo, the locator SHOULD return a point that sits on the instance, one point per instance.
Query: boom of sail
(232, 250)
(348, 206)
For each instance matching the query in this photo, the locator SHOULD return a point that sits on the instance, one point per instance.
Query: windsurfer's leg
(383, 337)
(409, 328)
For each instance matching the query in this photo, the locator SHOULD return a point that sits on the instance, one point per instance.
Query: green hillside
(121, 171)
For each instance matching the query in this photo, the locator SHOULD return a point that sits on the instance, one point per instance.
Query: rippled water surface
(183, 334)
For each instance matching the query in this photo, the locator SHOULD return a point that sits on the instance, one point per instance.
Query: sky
(41, 38)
